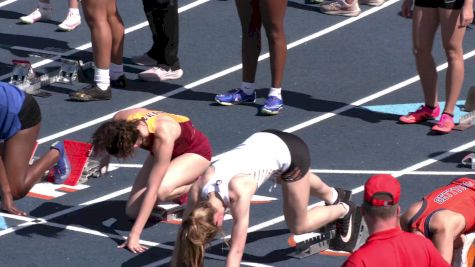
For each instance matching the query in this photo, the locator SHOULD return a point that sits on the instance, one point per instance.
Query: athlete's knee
(453, 53)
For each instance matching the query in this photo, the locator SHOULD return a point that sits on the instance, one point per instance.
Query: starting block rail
(24, 77)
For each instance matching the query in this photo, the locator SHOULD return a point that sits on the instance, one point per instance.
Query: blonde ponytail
(195, 232)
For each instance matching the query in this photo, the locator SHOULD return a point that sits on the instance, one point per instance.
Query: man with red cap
(387, 244)
(445, 216)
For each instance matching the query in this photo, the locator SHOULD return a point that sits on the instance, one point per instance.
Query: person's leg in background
(273, 13)
(162, 16)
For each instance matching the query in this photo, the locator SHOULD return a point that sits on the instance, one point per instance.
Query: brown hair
(116, 137)
(195, 232)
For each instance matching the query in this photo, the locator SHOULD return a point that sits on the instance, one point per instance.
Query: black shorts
(299, 156)
(30, 113)
(447, 4)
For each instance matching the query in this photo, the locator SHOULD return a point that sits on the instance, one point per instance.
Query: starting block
(24, 77)
(327, 239)
(82, 165)
(466, 121)
(469, 160)
(470, 101)
(170, 213)
(311, 243)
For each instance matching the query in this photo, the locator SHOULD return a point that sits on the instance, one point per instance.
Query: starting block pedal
(170, 213)
(24, 77)
(82, 165)
(311, 243)
(466, 121)
(469, 160)
(470, 100)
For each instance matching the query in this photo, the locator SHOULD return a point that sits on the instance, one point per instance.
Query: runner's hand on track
(9, 207)
(133, 245)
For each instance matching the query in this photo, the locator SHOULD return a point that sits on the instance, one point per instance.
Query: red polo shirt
(396, 248)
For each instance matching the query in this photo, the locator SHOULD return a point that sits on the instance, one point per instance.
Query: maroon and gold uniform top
(191, 140)
(458, 196)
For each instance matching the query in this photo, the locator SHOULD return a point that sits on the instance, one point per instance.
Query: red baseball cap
(382, 190)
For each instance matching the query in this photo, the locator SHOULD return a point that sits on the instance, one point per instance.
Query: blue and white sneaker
(272, 105)
(235, 96)
(62, 168)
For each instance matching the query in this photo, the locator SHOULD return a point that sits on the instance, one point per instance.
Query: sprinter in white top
(232, 180)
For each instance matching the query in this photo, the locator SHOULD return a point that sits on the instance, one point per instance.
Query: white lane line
(216, 76)
(83, 230)
(89, 45)
(440, 173)
(7, 2)
(114, 166)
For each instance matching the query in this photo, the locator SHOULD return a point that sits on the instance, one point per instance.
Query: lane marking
(449, 173)
(7, 3)
(403, 109)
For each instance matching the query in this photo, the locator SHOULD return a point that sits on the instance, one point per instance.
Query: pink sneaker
(445, 125)
(422, 114)
(157, 74)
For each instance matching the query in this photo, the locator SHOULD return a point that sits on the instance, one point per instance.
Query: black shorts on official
(299, 155)
(30, 113)
(447, 4)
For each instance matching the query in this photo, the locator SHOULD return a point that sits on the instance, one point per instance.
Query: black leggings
(299, 155)
(30, 113)
(162, 16)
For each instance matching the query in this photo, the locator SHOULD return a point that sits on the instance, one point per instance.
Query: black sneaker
(347, 230)
(85, 77)
(121, 82)
(91, 93)
(343, 195)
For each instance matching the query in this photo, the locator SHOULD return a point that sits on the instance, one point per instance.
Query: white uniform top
(263, 155)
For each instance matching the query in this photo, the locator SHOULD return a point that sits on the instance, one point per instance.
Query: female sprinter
(20, 118)
(230, 183)
(453, 17)
(179, 153)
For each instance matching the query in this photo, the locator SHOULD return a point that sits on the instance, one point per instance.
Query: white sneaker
(144, 60)
(371, 2)
(38, 14)
(70, 22)
(341, 8)
(157, 74)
